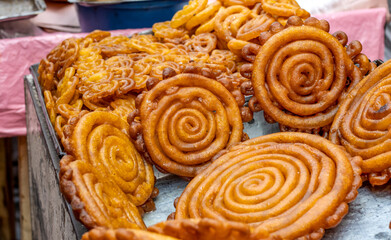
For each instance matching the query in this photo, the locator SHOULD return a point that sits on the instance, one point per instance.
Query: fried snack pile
(185, 229)
(176, 99)
(235, 22)
(301, 73)
(362, 124)
(285, 185)
(186, 120)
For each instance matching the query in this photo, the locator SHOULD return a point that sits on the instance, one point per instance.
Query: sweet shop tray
(20, 9)
(368, 218)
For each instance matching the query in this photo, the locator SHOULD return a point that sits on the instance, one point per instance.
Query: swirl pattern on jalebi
(186, 120)
(362, 124)
(96, 201)
(102, 139)
(286, 185)
(300, 74)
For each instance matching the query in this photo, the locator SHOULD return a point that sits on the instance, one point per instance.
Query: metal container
(20, 9)
(368, 218)
(109, 15)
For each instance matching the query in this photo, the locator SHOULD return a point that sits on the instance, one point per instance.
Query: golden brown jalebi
(362, 124)
(186, 120)
(205, 42)
(123, 234)
(164, 30)
(284, 8)
(123, 106)
(301, 73)
(285, 185)
(183, 16)
(56, 62)
(96, 201)
(203, 228)
(204, 16)
(185, 229)
(102, 139)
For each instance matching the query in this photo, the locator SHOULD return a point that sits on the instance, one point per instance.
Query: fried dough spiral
(204, 228)
(96, 201)
(185, 229)
(300, 74)
(285, 185)
(102, 139)
(362, 124)
(123, 234)
(186, 120)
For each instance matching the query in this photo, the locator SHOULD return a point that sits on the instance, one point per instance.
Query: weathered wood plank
(5, 228)
(24, 189)
(50, 218)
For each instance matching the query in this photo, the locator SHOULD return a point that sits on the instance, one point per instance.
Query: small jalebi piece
(362, 124)
(229, 20)
(208, 26)
(183, 16)
(251, 29)
(123, 106)
(164, 30)
(96, 201)
(284, 8)
(285, 185)
(102, 139)
(102, 233)
(204, 16)
(301, 73)
(205, 42)
(50, 106)
(247, 3)
(64, 55)
(46, 75)
(67, 87)
(186, 120)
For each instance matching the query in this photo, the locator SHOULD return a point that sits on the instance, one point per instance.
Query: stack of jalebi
(176, 99)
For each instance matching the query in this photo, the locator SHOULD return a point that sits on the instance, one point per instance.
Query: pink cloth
(364, 25)
(16, 56)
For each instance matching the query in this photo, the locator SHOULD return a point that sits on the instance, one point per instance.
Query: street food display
(177, 99)
(362, 124)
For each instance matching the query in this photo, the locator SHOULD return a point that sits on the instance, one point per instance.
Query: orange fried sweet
(362, 124)
(203, 228)
(186, 120)
(301, 73)
(164, 30)
(284, 185)
(284, 8)
(123, 234)
(102, 139)
(183, 16)
(204, 16)
(96, 201)
(184, 229)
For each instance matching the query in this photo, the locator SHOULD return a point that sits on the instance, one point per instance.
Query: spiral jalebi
(186, 120)
(102, 139)
(362, 124)
(285, 185)
(96, 201)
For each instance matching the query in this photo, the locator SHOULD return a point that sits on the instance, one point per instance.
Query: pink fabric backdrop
(17, 55)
